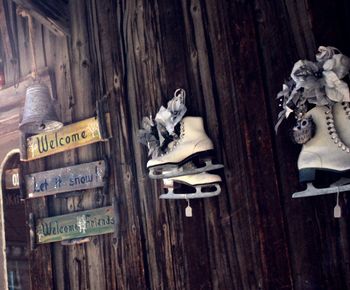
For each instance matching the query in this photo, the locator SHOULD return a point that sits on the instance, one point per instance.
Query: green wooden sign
(77, 177)
(76, 225)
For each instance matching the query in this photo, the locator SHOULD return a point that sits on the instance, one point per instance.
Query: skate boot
(181, 156)
(326, 151)
(341, 113)
(205, 185)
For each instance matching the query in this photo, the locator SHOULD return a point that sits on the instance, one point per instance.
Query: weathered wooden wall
(231, 57)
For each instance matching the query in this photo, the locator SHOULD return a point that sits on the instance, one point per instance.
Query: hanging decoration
(317, 93)
(180, 153)
(157, 133)
(319, 83)
(39, 113)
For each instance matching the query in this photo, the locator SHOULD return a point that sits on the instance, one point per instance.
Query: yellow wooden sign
(69, 137)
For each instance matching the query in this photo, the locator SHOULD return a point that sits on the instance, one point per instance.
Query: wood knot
(194, 8)
(85, 63)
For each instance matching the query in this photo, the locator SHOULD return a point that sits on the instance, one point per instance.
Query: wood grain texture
(231, 58)
(52, 15)
(42, 279)
(7, 44)
(7, 162)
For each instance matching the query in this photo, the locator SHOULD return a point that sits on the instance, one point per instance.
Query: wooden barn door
(14, 232)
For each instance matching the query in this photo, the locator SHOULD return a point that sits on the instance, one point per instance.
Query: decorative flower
(290, 100)
(325, 53)
(339, 64)
(306, 74)
(169, 117)
(158, 133)
(319, 83)
(335, 69)
(148, 136)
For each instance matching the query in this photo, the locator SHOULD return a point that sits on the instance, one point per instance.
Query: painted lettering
(15, 179)
(80, 180)
(52, 146)
(58, 182)
(12, 199)
(75, 137)
(43, 145)
(40, 186)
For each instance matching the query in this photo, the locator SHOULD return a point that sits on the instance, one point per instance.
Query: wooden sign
(76, 225)
(77, 177)
(12, 178)
(69, 137)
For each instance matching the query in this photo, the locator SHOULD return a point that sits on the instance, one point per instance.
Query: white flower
(318, 83)
(325, 53)
(305, 74)
(339, 64)
(334, 70)
(336, 89)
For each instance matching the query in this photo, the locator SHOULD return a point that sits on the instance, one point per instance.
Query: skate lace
(175, 143)
(333, 132)
(346, 108)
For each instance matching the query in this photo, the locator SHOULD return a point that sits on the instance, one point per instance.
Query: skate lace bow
(177, 141)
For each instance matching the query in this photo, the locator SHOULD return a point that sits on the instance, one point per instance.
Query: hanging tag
(337, 208)
(188, 210)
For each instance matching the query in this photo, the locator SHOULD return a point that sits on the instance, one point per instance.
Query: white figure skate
(326, 151)
(193, 145)
(205, 185)
(341, 112)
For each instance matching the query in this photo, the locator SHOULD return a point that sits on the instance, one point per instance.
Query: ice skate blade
(180, 171)
(197, 194)
(313, 191)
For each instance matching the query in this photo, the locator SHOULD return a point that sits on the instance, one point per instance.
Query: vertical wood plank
(128, 239)
(231, 57)
(41, 269)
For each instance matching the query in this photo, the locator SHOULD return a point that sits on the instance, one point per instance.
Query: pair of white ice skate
(328, 150)
(178, 165)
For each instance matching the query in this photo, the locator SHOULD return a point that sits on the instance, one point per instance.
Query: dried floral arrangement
(157, 133)
(321, 83)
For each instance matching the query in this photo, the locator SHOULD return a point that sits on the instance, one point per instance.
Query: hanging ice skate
(189, 153)
(180, 152)
(319, 97)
